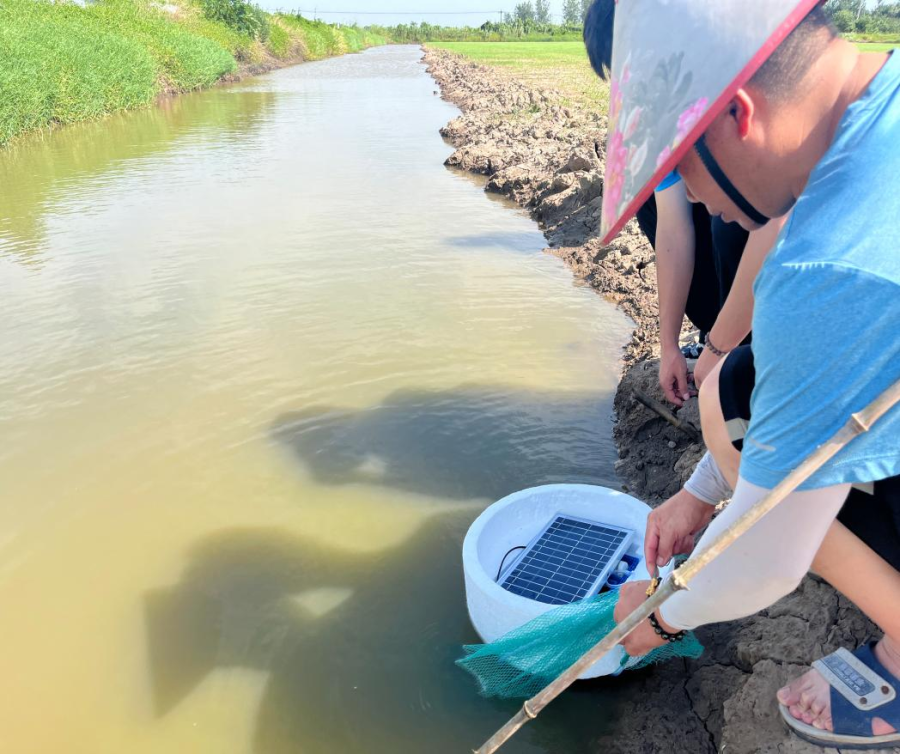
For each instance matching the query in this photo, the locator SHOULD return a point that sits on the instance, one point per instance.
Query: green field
(560, 65)
(877, 46)
(550, 65)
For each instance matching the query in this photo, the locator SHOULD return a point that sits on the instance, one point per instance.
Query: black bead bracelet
(671, 638)
(709, 344)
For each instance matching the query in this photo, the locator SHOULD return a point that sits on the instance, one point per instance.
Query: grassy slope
(553, 65)
(62, 63)
(322, 40)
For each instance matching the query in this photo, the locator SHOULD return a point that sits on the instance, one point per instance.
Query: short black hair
(781, 75)
(598, 35)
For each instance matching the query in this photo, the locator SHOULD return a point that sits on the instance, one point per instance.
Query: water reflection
(506, 240)
(43, 170)
(471, 442)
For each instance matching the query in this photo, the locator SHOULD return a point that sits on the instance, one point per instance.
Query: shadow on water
(471, 442)
(373, 670)
(40, 169)
(375, 673)
(506, 240)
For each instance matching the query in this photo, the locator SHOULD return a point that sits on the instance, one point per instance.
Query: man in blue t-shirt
(816, 131)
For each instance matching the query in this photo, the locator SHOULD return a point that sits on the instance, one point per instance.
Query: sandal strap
(846, 715)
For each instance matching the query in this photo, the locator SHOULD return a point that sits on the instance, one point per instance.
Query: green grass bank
(62, 63)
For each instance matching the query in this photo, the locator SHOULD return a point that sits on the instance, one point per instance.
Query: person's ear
(742, 110)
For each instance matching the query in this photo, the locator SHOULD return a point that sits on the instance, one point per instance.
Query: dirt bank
(548, 156)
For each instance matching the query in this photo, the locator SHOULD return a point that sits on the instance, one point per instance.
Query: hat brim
(666, 166)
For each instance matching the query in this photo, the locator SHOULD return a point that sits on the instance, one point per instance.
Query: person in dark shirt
(697, 256)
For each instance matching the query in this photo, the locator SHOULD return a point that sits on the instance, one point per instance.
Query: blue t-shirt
(670, 180)
(826, 325)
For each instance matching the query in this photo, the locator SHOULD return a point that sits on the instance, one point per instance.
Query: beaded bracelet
(709, 344)
(660, 631)
(671, 638)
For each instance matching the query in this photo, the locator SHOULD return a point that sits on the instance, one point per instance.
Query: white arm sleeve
(707, 482)
(765, 564)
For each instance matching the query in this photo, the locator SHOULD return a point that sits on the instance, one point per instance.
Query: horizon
(394, 12)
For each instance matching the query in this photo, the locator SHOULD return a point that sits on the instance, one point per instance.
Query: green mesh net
(525, 660)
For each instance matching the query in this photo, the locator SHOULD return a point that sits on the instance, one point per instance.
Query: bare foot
(808, 698)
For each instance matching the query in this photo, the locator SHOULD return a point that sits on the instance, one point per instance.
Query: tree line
(538, 12)
(491, 31)
(848, 15)
(532, 19)
(854, 16)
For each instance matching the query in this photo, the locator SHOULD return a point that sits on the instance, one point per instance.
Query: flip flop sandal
(861, 690)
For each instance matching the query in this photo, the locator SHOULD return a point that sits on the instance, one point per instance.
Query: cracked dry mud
(548, 156)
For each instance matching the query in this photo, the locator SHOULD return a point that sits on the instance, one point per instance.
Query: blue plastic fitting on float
(621, 574)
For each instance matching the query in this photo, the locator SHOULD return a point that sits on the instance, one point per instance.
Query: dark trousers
(716, 260)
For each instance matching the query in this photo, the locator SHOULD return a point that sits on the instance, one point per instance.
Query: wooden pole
(857, 424)
(534, 706)
(659, 409)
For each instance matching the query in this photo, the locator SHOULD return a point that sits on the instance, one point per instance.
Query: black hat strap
(726, 185)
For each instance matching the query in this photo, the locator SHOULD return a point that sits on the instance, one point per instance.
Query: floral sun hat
(676, 64)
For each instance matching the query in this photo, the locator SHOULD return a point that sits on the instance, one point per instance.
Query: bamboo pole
(856, 425)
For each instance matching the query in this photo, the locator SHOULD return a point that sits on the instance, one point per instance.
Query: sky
(390, 12)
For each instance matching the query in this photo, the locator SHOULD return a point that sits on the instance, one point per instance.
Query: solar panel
(568, 561)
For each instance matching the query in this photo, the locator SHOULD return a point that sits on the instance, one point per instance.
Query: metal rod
(856, 425)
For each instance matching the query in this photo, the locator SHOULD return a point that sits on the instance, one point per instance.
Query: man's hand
(705, 364)
(643, 638)
(672, 526)
(673, 376)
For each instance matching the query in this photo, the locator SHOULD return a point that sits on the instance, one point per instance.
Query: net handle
(856, 425)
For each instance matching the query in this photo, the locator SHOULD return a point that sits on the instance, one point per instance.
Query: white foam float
(516, 520)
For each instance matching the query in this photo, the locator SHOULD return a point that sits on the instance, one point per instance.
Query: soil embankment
(548, 156)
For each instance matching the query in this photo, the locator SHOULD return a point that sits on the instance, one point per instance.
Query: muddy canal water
(264, 360)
